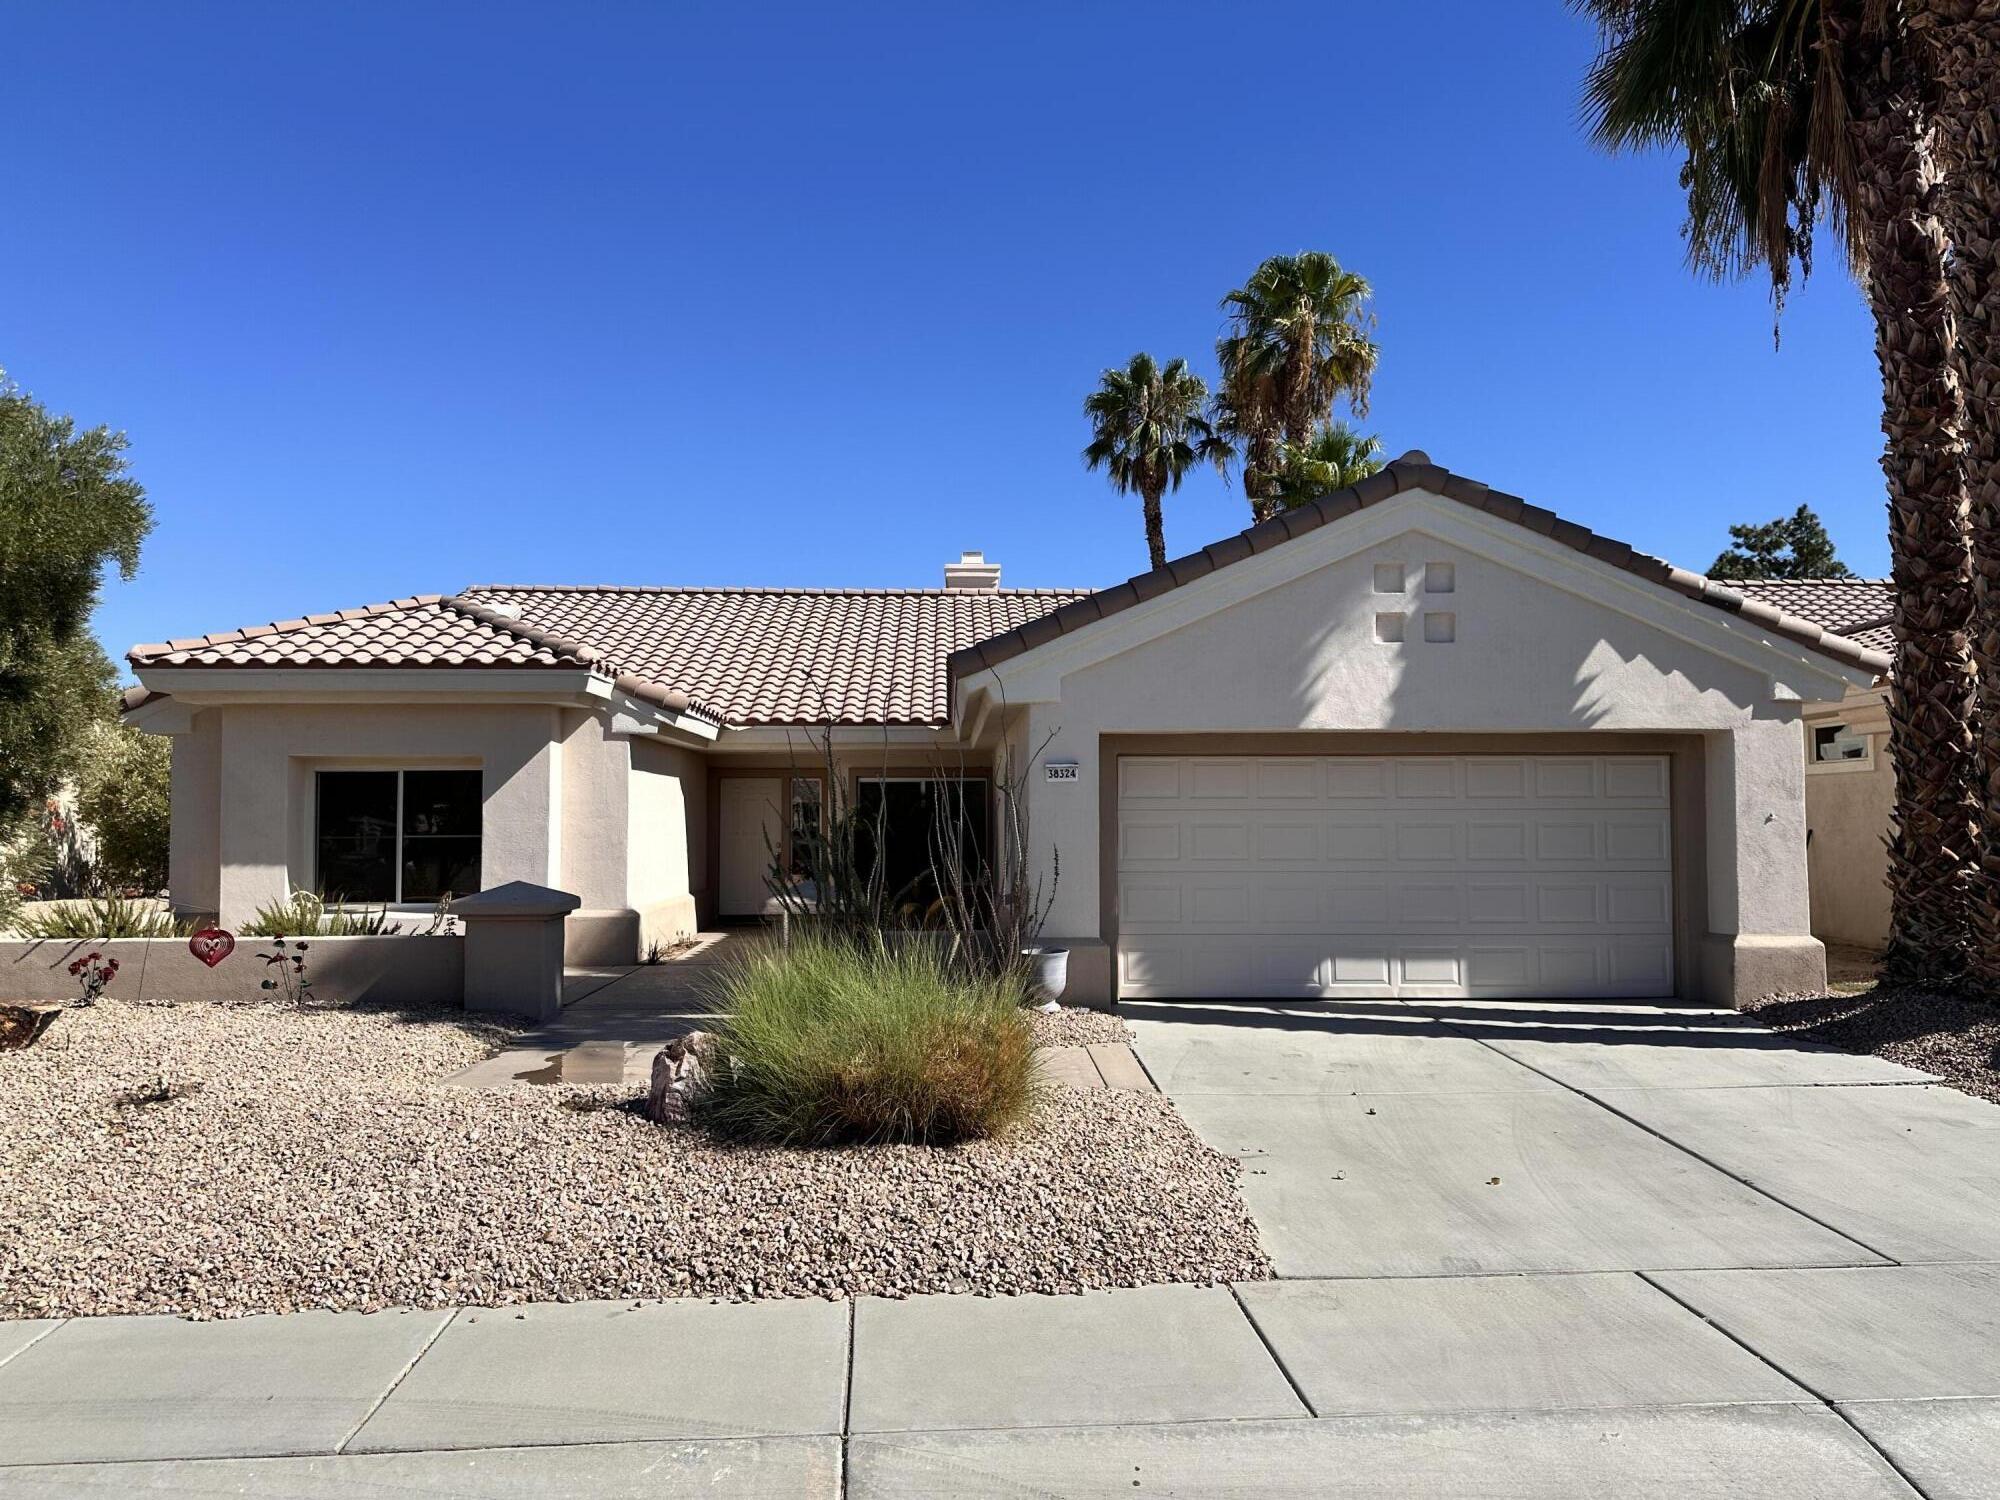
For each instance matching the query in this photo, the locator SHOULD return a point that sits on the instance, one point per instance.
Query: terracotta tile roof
(737, 656)
(421, 631)
(1858, 608)
(1412, 471)
(786, 656)
(424, 630)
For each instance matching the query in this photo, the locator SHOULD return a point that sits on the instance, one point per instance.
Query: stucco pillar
(256, 822)
(1063, 846)
(194, 863)
(1759, 939)
(514, 949)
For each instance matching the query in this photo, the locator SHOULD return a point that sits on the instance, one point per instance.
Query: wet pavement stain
(592, 1062)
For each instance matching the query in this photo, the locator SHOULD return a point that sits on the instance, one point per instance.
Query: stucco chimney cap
(972, 571)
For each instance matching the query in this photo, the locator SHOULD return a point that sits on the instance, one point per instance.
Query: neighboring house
(1850, 789)
(1417, 738)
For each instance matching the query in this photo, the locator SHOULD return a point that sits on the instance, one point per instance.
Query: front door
(752, 826)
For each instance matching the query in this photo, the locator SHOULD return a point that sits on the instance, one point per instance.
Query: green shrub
(305, 914)
(123, 776)
(829, 1041)
(101, 917)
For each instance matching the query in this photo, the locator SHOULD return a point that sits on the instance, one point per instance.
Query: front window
(914, 814)
(397, 837)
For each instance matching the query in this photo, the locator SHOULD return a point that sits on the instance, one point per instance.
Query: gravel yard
(1959, 1040)
(311, 1159)
(1077, 1026)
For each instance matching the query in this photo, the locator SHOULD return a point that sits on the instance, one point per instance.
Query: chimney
(972, 571)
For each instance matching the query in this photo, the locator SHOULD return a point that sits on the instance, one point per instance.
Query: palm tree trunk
(1933, 837)
(1156, 526)
(1260, 474)
(1961, 50)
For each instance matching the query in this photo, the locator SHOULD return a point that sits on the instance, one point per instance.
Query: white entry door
(752, 826)
(1404, 876)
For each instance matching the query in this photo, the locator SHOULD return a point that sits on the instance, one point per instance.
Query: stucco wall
(617, 820)
(1527, 657)
(668, 839)
(380, 970)
(260, 758)
(1847, 813)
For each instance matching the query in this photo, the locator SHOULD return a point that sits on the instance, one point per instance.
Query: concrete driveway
(1523, 1251)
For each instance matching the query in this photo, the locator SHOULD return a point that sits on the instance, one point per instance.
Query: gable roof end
(1413, 471)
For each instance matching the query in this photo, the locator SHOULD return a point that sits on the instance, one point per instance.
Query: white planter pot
(1049, 969)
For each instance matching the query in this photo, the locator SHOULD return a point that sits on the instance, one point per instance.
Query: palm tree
(1960, 46)
(1147, 431)
(1795, 114)
(1336, 457)
(1297, 342)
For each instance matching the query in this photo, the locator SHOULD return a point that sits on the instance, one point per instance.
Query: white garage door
(1432, 876)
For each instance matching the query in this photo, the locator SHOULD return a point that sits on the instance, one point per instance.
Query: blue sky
(396, 299)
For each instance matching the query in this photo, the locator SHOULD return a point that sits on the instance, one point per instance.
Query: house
(1418, 738)
(1850, 789)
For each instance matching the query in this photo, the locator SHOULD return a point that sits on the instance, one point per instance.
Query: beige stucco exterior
(1544, 642)
(1847, 821)
(1345, 640)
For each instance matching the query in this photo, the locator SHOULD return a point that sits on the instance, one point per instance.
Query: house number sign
(1060, 770)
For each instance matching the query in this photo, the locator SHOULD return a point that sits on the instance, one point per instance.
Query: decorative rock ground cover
(1958, 1040)
(219, 1160)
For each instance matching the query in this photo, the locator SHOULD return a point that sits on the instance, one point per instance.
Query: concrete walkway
(1523, 1251)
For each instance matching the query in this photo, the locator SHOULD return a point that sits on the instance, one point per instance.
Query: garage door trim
(1683, 752)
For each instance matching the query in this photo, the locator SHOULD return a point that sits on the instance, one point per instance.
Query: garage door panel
(1565, 779)
(1351, 840)
(1418, 876)
(1434, 779)
(1148, 841)
(1211, 839)
(1289, 780)
(1497, 779)
(1225, 780)
(1355, 779)
(1637, 839)
(1636, 779)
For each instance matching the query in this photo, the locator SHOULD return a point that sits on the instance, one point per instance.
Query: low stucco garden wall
(382, 970)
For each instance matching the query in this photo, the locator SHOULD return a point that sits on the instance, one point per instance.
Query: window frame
(399, 770)
(1817, 767)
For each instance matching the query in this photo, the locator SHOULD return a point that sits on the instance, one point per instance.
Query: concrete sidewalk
(1528, 1386)
(1523, 1251)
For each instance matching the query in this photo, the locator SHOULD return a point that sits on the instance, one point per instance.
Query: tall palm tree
(1148, 429)
(1336, 457)
(1794, 114)
(1298, 340)
(1960, 46)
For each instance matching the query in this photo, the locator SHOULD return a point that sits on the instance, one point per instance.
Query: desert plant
(444, 921)
(992, 908)
(113, 916)
(828, 877)
(828, 1041)
(310, 914)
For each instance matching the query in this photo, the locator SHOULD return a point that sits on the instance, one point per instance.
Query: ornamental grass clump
(831, 1042)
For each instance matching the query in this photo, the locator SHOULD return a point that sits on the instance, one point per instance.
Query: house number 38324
(1060, 770)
